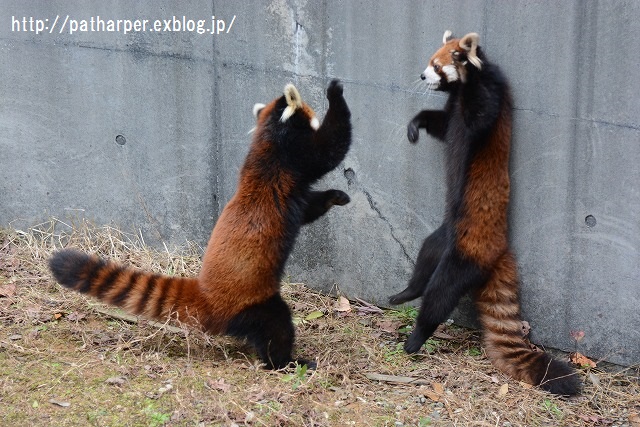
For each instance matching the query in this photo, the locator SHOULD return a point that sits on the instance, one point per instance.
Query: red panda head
(449, 64)
(288, 109)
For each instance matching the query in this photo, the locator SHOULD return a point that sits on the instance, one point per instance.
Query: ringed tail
(151, 295)
(499, 313)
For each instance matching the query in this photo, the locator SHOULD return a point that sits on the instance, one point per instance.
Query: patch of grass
(552, 408)
(406, 314)
(297, 377)
(58, 346)
(474, 351)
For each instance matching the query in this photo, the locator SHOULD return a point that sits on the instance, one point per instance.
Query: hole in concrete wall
(350, 175)
(121, 140)
(590, 220)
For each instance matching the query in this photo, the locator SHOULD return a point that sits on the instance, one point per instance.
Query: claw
(412, 133)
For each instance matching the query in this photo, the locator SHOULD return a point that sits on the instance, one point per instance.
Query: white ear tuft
(294, 101)
(470, 44)
(257, 108)
(446, 36)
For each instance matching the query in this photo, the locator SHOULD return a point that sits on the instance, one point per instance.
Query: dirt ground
(66, 360)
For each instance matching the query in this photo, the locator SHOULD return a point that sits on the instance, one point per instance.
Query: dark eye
(436, 68)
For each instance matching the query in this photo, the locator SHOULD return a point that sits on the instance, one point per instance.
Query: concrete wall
(182, 102)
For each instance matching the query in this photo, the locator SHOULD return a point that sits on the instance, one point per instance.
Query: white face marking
(431, 76)
(315, 124)
(451, 72)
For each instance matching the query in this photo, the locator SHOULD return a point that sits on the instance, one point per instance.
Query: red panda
(237, 291)
(470, 251)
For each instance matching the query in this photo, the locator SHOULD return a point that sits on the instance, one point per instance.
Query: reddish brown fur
(476, 126)
(482, 231)
(245, 241)
(237, 290)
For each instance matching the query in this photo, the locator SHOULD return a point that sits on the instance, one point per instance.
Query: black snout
(423, 77)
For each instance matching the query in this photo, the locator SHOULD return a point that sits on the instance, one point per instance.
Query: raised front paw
(339, 198)
(412, 132)
(334, 91)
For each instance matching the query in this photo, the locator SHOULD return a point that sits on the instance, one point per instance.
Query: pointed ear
(470, 44)
(446, 37)
(294, 101)
(257, 108)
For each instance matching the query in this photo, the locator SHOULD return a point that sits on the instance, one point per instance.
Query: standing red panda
(238, 289)
(470, 251)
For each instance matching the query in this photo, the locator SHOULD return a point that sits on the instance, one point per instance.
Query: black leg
(452, 278)
(428, 259)
(433, 121)
(333, 138)
(319, 202)
(268, 327)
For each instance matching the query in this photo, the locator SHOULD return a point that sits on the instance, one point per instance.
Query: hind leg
(453, 277)
(269, 329)
(428, 259)
(319, 202)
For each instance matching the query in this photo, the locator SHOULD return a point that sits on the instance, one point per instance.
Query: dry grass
(67, 360)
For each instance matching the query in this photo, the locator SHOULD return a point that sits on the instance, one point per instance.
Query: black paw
(398, 298)
(412, 132)
(339, 198)
(312, 365)
(334, 90)
(414, 342)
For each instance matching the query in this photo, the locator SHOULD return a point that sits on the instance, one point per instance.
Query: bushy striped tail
(151, 295)
(499, 313)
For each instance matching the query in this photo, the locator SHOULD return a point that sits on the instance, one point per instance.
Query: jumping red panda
(237, 292)
(470, 251)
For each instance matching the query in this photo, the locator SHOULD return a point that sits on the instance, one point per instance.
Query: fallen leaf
(634, 420)
(7, 291)
(503, 390)
(390, 326)
(595, 419)
(577, 335)
(219, 385)
(314, 315)
(76, 317)
(438, 388)
(257, 396)
(581, 360)
(57, 316)
(443, 336)
(116, 380)
(431, 395)
(526, 328)
(60, 403)
(494, 379)
(342, 304)
(367, 308)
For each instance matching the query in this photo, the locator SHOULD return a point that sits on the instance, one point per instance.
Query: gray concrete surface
(183, 103)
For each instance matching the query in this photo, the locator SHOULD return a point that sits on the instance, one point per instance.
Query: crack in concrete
(373, 206)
